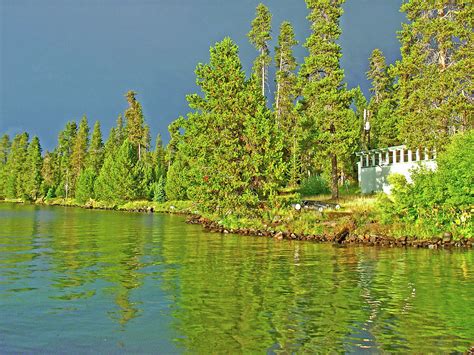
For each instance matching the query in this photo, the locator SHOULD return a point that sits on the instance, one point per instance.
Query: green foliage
(4, 151)
(51, 193)
(85, 185)
(120, 176)
(441, 199)
(95, 157)
(16, 167)
(314, 185)
(230, 154)
(433, 74)
(34, 164)
(78, 154)
(259, 36)
(326, 100)
(159, 194)
(137, 131)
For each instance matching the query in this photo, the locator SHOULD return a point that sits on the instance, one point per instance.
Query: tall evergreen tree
(285, 76)
(34, 165)
(50, 174)
(79, 153)
(95, 157)
(259, 36)
(4, 151)
(136, 128)
(381, 110)
(159, 158)
(63, 154)
(230, 148)
(434, 89)
(16, 167)
(326, 99)
(285, 96)
(120, 176)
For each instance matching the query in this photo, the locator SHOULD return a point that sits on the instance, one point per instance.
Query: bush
(438, 200)
(314, 185)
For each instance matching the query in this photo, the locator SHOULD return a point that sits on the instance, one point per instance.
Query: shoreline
(343, 237)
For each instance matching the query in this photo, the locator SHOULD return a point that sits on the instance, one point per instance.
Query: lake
(75, 280)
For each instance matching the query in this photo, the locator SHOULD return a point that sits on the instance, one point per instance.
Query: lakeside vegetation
(242, 161)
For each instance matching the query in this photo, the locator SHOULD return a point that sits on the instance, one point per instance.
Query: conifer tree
(4, 151)
(95, 157)
(230, 151)
(79, 153)
(378, 75)
(326, 99)
(120, 176)
(50, 174)
(259, 36)
(136, 128)
(285, 96)
(159, 158)
(34, 165)
(435, 99)
(85, 184)
(63, 154)
(16, 167)
(381, 110)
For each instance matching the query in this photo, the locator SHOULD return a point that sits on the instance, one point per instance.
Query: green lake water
(82, 281)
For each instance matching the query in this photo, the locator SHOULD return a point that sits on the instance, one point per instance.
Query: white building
(376, 165)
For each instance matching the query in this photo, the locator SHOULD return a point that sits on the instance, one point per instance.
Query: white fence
(376, 165)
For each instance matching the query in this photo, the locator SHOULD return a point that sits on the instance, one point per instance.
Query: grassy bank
(358, 217)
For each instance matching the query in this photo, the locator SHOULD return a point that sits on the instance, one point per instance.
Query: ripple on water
(106, 281)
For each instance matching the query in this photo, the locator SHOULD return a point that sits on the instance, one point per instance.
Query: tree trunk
(334, 177)
(139, 151)
(263, 73)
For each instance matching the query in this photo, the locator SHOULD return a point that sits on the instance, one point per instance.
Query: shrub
(314, 185)
(438, 200)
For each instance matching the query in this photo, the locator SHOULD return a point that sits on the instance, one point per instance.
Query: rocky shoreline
(343, 237)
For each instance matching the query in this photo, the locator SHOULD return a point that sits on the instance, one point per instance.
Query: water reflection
(110, 281)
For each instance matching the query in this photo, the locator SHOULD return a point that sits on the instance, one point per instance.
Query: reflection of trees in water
(18, 244)
(239, 294)
(92, 246)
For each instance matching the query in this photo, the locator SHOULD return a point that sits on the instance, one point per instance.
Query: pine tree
(136, 128)
(34, 165)
(63, 154)
(381, 110)
(50, 174)
(159, 158)
(85, 185)
(285, 96)
(5, 145)
(230, 152)
(16, 167)
(95, 157)
(326, 99)
(378, 75)
(79, 153)
(259, 36)
(435, 99)
(120, 176)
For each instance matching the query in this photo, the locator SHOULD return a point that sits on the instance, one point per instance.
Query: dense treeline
(236, 150)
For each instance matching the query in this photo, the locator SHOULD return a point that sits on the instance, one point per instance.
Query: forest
(238, 154)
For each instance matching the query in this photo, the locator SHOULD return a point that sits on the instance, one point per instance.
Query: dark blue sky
(60, 59)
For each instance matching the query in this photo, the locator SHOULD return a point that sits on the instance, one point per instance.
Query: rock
(373, 239)
(226, 231)
(340, 237)
(279, 236)
(447, 237)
